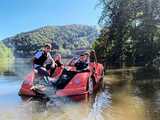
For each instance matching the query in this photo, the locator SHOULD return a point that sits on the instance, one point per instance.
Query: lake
(124, 98)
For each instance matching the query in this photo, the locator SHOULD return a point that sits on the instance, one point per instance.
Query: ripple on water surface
(123, 103)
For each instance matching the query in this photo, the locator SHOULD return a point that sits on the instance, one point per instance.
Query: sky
(18, 16)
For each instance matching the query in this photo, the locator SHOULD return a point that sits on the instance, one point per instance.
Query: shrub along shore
(6, 58)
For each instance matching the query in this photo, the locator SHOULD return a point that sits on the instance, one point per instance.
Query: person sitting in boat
(42, 61)
(93, 57)
(58, 60)
(82, 63)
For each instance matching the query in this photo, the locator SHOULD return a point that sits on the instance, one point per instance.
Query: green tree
(130, 32)
(6, 58)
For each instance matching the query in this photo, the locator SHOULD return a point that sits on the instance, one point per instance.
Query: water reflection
(150, 93)
(126, 106)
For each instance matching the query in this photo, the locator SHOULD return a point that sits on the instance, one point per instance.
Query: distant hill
(65, 38)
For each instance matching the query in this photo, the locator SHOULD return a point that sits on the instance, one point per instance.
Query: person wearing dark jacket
(82, 64)
(42, 61)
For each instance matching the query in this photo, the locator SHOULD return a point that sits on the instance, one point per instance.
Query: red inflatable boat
(69, 81)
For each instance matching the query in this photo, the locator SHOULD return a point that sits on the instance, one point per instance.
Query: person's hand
(53, 64)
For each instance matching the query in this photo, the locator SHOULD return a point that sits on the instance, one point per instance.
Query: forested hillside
(65, 38)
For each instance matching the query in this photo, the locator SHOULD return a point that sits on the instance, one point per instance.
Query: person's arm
(52, 60)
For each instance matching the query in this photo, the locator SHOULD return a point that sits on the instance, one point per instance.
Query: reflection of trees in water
(146, 74)
(147, 86)
(144, 90)
(155, 105)
(143, 85)
(125, 105)
(151, 94)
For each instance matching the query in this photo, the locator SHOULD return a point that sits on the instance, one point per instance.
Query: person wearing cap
(42, 61)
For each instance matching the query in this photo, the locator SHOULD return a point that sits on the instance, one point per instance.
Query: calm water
(121, 99)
